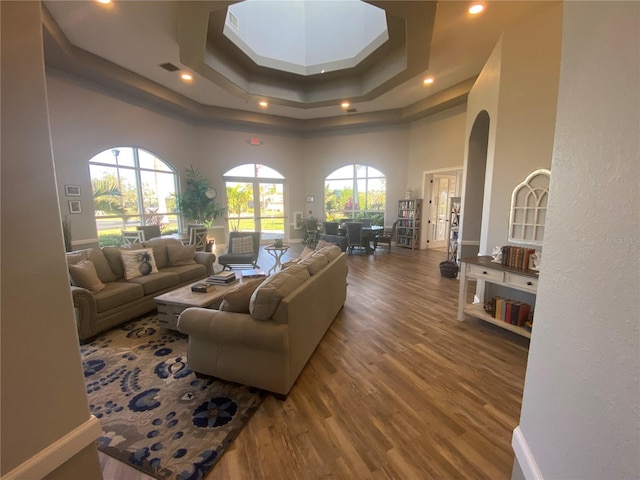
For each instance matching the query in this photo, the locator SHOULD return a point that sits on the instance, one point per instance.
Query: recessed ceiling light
(345, 104)
(104, 2)
(187, 77)
(476, 8)
(428, 81)
(263, 104)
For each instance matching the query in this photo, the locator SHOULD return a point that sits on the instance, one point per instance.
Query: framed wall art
(75, 206)
(72, 190)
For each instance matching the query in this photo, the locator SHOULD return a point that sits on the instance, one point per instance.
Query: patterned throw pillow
(138, 263)
(84, 275)
(242, 244)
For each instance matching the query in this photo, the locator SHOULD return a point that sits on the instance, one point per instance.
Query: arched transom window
(132, 187)
(355, 191)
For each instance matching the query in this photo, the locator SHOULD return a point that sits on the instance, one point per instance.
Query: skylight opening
(292, 36)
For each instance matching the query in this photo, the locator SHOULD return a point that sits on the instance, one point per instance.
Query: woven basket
(449, 269)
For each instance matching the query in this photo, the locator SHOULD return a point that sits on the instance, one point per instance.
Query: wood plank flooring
(397, 389)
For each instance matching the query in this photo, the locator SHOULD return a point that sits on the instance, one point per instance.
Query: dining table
(368, 235)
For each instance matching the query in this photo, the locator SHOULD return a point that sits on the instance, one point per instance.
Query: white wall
(87, 119)
(518, 88)
(43, 392)
(581, 408)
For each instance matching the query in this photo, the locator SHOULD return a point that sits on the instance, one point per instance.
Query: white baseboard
(46, 461)
(524, 456)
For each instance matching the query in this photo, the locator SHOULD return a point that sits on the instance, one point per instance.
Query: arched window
(255, 196)
(355, 191)
(132, 187)
(529, 208)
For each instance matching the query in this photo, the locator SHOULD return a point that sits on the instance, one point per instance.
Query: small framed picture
(75, 206)
(297, 220)
(72, 190)
(311, 199)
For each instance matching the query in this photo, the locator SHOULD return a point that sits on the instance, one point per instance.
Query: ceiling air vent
(169, 67)
(233, 20)
(351, 110)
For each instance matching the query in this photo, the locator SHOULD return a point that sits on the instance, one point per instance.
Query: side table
(277, 253)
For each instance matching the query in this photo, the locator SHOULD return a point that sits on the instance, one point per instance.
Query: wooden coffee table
(173, 303)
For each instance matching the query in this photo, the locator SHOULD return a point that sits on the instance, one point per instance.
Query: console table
(484, 270)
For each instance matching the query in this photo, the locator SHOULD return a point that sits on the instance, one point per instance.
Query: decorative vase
(277, 242)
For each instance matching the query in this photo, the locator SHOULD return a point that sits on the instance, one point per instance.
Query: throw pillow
(138, 263)
(315, 263)
(237, 299)
(323, 243)
(306, 253)
(181, 255)
(265, 300)
(242, 244)
(84, 275)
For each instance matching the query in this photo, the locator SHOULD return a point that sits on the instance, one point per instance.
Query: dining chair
(384, 238)
(354, 234)
(150, 231)
(366, 222)
(198, 237)
(132, 236)
(331, 228)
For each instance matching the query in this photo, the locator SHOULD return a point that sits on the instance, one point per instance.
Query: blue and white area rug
(156, 415)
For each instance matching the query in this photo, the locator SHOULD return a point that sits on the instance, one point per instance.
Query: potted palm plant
(197, 203)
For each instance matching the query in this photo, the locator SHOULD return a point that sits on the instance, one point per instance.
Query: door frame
(427, 195)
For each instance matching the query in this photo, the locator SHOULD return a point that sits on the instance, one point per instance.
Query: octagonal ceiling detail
(205, 49)
(306, 37)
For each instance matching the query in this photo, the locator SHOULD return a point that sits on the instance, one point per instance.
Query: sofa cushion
(138, 263)
(267, 296)
(84, 275)
(117, 293)
(315, 263)
(238, 298)
(186, 273)
(323, 243)
(103, 269)
(330, 253)
(156, 281)
(160, 249)
(179, 255)
(114, 259)
(242, 244)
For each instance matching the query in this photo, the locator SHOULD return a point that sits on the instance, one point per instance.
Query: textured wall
(581, 407)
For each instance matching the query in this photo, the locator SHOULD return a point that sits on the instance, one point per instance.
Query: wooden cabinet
(408, 227)
(486, 272)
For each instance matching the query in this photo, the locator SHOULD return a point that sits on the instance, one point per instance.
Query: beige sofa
(103, 298)
(268, 346)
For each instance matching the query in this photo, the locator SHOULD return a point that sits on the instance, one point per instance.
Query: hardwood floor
(397, 389)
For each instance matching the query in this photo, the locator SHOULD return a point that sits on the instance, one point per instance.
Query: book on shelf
(202, 287)
(510, 311)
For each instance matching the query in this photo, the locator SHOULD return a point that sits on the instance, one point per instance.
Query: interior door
(443, 187)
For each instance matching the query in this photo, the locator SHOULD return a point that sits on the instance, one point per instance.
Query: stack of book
(517, 257)
(253, 273)
(222, 278)
(511, 311)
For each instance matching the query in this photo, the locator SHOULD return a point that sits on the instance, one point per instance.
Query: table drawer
(481, 272)
(522, 281)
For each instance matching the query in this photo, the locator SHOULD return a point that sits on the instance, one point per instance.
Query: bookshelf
(408, 228)
(453, 228)
(522, 285)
